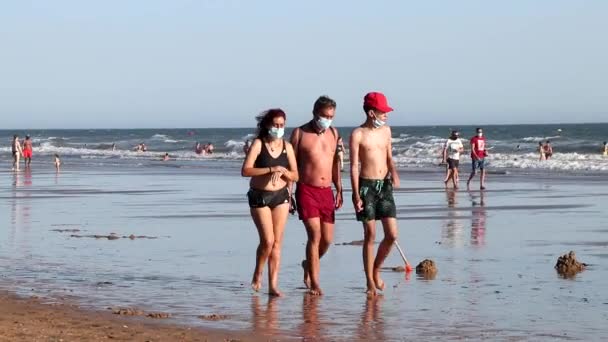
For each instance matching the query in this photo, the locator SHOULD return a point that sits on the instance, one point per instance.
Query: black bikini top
(264, 159)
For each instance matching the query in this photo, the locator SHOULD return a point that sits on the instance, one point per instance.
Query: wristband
(269, 169)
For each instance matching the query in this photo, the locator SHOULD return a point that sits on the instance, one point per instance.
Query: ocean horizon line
(253, 126)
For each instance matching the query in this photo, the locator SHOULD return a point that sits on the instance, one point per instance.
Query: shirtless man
(370, 145)
(314, 145)
(27, 151)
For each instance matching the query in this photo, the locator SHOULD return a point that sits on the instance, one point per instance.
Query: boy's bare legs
(389, 224)
(262, 217)
(369, 237)
(482, 184)
(455, 178)
(279, 218)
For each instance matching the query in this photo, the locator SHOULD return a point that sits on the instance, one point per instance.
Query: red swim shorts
(27, 153)
(315, 202)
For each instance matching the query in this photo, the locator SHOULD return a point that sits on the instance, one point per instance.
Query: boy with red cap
(372, 185)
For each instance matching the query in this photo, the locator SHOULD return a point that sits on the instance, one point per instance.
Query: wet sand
(495, 253)
(31, 320)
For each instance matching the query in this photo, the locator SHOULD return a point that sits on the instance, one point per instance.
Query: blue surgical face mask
(324, 123)
(276, 133)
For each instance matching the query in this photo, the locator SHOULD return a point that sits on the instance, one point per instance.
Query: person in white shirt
(451, 155)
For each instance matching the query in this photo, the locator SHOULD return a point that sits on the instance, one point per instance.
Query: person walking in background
(315, 145)
(56, 161)
(17, 152)
(478, 155)
(452, 149)
(271, 164)
(541, 151)
(340, 150)
(605, 153)
(371, 146)
(246, 146)
(548, 150)
(27, 151)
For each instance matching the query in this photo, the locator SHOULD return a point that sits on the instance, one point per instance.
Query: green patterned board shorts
(377, 197)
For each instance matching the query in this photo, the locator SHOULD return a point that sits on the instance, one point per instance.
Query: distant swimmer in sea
(548, 150)
(452, 149)
(113, 147)
(166, 157)
(198, 148)
(209, 148)
(271, 164)
(56, 161)
(340, 151)
(17, 152)
(541, 151)
(605, 153)
(27, 151)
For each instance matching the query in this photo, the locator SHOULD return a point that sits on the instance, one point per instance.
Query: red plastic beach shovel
(408, 267)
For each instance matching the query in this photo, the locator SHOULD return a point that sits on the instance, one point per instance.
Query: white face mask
(324, 123)
(480, 134)
(276, 133)
(378, 123)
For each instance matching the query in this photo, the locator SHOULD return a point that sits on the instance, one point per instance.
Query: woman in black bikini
(271, 164)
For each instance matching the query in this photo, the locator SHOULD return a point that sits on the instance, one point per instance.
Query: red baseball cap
(377, 101)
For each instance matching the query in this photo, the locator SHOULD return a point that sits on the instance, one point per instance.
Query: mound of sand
(427, 269)
(568, 266)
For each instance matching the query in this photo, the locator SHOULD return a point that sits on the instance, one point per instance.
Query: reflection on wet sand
(265, 317)
(311, 327)
(371, 327)
(478, 220)
(453, 230)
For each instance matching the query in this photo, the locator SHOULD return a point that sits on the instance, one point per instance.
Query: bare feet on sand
(306, 279)
(275, 293)
(371, 289)
(315, 291)
(379, 283)
(256, 284)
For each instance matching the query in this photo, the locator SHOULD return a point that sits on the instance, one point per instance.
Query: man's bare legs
(16, 162)
(482, 179)
(320, 236)
(262, 217)
(473, 173)
(455, 179)
(279, 218)
(389, 224)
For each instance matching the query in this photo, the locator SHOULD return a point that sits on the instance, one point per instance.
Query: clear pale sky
(126, 64)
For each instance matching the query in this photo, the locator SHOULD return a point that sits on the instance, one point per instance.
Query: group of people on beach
(453, 148)
(25, 149)
(311, 161)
